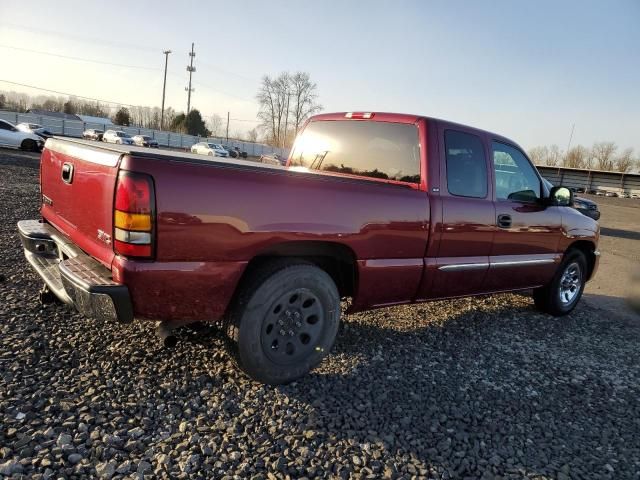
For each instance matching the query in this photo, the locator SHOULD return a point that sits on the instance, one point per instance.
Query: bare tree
(554, 156)
(215, 125)
(603, 154)
(538, 155)
(576, 157)
(252, 135)
(304, 94)
(285, 103)
(625, 161)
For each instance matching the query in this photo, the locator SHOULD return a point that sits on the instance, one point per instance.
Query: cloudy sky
(527, 70)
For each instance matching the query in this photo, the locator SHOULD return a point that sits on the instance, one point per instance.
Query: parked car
(240, 153)
(93, 134)
(231, 151)
(145, 141)
(117, 136)
(35, 128)
(211, 149)
(383, 208)
(610, 194)
(635, 195)
(599, 193)
(11, 137)
(584, 206)
(273, 159)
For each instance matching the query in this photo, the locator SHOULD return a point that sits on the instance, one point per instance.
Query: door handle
(504, 220)
(67, 172)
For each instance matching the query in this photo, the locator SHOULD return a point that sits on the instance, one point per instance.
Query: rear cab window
(466, 165)
(380, 150)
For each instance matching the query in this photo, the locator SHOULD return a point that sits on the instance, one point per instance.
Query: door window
(516, 178)
(6, 126)
(466, 164)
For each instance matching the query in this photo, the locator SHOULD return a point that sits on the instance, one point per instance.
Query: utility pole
(164, 85)
(571, 136)
(190, 69)
(227, 127)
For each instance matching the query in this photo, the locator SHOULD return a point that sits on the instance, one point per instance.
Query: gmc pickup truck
(381, 208)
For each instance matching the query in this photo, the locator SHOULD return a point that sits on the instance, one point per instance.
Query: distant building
(91, 119)
(60, 115)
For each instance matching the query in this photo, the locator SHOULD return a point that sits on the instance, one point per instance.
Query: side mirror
(560, 197)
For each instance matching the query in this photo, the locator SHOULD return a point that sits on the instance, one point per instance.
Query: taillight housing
(134, 215)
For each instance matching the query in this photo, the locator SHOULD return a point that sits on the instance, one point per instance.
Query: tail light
(133, 218)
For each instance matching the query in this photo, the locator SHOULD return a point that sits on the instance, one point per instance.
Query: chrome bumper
(72, 275)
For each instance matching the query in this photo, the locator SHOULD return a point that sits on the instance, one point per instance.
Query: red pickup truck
(383, 208)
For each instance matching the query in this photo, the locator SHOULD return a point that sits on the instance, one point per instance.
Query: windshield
(122, 134)
(217, 146)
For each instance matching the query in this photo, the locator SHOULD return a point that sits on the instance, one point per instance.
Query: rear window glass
(384, 150)
(466, 165)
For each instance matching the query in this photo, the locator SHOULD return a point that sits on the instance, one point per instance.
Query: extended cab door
(468, 215)
(525, 247)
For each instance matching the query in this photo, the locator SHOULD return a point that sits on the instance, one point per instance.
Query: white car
(34, 128)
(211, 149)
(117, 136)
(10, 136)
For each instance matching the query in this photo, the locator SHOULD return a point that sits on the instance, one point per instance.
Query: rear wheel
(29, 145)
(284, 321)
(562, 294)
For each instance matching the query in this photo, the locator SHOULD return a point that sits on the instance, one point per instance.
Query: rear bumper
(72, 275)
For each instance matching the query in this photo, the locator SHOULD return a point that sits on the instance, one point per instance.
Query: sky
(528, 70)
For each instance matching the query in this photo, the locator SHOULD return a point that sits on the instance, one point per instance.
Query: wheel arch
(588, 248)
(336, 259)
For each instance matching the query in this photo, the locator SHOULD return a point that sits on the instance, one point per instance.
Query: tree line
(144, 117)
(601, 156)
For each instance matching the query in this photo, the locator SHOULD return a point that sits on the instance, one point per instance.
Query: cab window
(515, 177)
(466, 165)
(383, 150)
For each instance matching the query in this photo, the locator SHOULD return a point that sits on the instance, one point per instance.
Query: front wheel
(562, 294)
(29, 145)
(284, 321)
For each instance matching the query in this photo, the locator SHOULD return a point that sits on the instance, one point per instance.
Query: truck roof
(404, 118)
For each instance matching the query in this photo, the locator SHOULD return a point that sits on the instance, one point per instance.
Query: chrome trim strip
(520, 263)
(460, 267)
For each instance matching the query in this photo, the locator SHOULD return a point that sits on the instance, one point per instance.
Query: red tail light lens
(134, 215)
(133, 193)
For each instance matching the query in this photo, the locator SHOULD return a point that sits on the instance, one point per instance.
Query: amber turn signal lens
(140, 222)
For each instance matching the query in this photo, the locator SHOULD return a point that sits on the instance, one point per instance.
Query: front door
(468, 213)
(525, 246)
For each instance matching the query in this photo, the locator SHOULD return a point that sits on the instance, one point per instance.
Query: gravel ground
(475, 388)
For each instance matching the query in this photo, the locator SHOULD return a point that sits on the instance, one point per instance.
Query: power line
(83, 38)
(67, 94)
(72, 95)
(69, 57)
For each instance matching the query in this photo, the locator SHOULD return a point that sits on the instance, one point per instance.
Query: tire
(29, 145)
(563, 293)
(283, 321)
(211, 154)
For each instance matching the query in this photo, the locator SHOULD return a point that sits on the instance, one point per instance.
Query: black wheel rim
(292, 327)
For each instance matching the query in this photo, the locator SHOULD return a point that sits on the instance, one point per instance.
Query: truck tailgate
(78, 183)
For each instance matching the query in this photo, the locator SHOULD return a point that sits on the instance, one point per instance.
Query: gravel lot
(475, 388)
